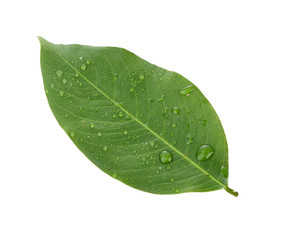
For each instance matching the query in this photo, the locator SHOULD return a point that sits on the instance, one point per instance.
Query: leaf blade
(121, 81)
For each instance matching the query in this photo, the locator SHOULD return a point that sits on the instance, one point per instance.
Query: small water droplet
(61, 93)
(66, 115)
(177, 190)
(190, 139)
(161, 98)
(187, 90)
(88, 62)
(46, 91)
(59, 73)
(72, 134)
(224, 171)
(176, 111)
(172, 179)
(114, 175)
(121, 114)
(115, 76)
(125, 132)
(132, 89)
(173, 125)
(165, 157)
(114, 115)
(81, 109)
(168, 167)
(99, 134)
(83, 67)
(76, 75)
(141, 76)
(205, 152)
(92, 125)
(104, 148)
(203, 122)
(151, 143)
(64, 81)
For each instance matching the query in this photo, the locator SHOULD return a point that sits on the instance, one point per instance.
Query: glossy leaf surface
(143, 125)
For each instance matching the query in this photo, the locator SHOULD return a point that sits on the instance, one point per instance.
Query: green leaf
(143, 125)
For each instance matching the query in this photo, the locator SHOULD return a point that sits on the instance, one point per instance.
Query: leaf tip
(231, 191)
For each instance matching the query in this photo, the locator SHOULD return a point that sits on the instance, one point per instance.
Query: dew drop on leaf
(187, 90)
(61, 93)
(59, 73)
(121, 114)
(114, 175)
(176, 111)
(104, 148)
(99, 134)
(173, 125)
(64, 80)
(141, 76)
(76, 75)
(92, 125)
(205, 152)
(165, 157)
(87, 62)
(83, 67)
(125, 132)
(72, 134)
(190, 139)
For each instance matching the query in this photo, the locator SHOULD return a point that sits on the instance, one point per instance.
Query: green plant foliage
(150, 128)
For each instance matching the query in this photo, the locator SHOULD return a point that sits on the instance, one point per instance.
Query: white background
(232, 50)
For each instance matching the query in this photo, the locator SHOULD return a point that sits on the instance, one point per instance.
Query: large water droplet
(83, 67)
(59, 73)
(187, 90)
(176, 111)
(205, 152)
(165, 157)
(224, 171)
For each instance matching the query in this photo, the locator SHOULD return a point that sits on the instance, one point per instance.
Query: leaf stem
(231, 191)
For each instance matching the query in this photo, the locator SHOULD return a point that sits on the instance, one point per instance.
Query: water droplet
(125, 132)
(64, 80)
(104, 148)
(72, 134)
(165, 157)
(161, 98)
(151, 143)
(187, 90)
(115, 76)
(114, 175)
(177, 190)
(59, 73)
(172, 179)
(83, 67)
(132, 89)
(81, 109)
(76, 75)
(176, 111)
(190, 139)
(203, 122)
(88, 62)
(92, 125)
(121, 114)
(141, 76)
(224, 171)
(46, 91)
(66, 115)
(99, 134)
(173, 125)
(168, 167)
(205, 152)
(61, 93)
(114, 116)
